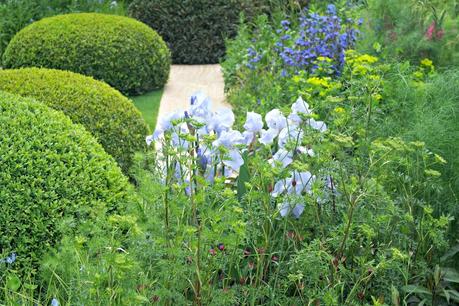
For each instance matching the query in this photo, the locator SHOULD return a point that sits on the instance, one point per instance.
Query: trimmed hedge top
(106, 113)
(121, 51)
(194, 29)
(50, 170)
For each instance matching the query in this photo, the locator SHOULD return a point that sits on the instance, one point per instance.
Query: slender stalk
(166, 199)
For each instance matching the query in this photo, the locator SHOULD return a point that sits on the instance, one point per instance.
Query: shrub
(16, 14)
(107, 114)
(51, 170)
(194, 29)
(120, 51)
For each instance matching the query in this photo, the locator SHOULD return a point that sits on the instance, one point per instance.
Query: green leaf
(452, 252)
(13, 283)
(450, 275)
(395, 296)
(416, 289)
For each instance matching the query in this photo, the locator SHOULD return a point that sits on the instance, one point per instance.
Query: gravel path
(185, 80)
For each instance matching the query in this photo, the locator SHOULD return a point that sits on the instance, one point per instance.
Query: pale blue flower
(290, 134)
(267, 136)
(254, 122)
(229, 139)
(221, 120)
(287, 208)
(284, 157)
(293, 186)
(10, 259)
(54, 302)
(304, 150)
(298, 183)
(317, 125)
(200, 108)
(234, 161)
(149, 139)
(276, 120)
(248, 137)
(301, 107)
(164, 124)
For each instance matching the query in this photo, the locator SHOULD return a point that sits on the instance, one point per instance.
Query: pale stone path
(185, 80)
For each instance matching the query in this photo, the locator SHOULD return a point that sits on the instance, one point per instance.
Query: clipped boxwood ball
(121, 51)
(104, 111)
(50, 170)
(195, 30)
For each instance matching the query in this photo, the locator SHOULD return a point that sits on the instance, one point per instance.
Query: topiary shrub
(121, 51)
(50, 170)
(106, 113)
(195, 30)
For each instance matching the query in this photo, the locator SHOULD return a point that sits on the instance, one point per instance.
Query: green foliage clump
(121, 51)
(194, 29)
(52, 171)
(423, 107)
(16, 14)
(107, 114)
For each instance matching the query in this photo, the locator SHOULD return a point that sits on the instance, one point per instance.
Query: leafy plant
(16, 14)
(121, 51)
(110, 117)
(52, 170)
(195, 30)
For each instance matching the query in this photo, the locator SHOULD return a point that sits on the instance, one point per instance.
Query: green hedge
(118, 50)
(16, 14)
(51, 170)
(106, 113)
(195, 30)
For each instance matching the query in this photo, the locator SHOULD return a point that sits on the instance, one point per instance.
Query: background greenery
(195, 30)
(148, 105)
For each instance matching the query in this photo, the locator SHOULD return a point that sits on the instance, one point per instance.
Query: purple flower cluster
(301, 47)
